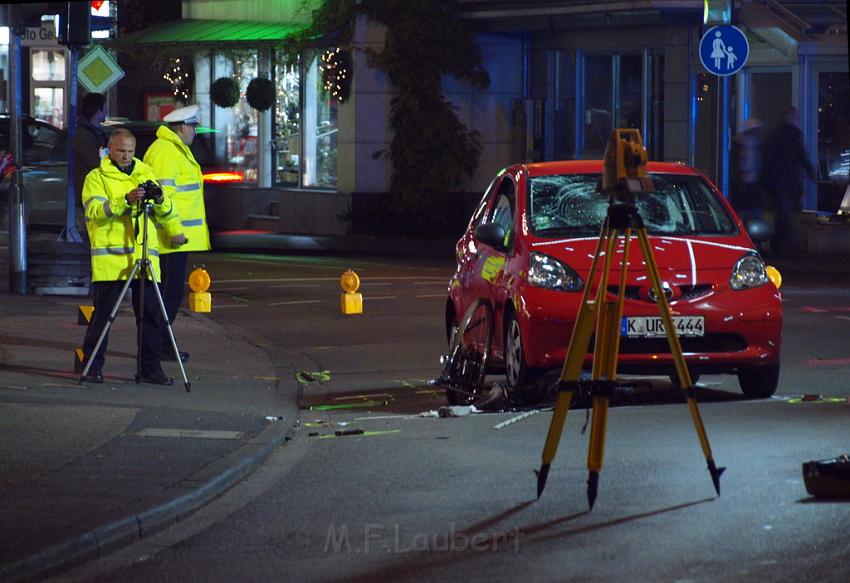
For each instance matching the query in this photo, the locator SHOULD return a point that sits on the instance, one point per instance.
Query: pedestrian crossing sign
(724, 50)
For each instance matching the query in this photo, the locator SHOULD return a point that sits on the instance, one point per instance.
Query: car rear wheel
(517, 373)
(465, 366)
(759, 382)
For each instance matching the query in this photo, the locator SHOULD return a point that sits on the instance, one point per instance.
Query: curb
(108, 538)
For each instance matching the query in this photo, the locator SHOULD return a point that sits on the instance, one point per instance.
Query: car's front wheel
(759, 382)
(517, 373)
(465, 366)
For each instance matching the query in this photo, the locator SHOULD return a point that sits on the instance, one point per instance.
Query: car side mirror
(759, 231)
(492, 234)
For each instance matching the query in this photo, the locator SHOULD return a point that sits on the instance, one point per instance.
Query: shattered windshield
(569, 205)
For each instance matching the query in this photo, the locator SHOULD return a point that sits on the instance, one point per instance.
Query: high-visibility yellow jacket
(116, 232)
(180, 177)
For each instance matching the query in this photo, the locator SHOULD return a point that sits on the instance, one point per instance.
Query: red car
(523, 263)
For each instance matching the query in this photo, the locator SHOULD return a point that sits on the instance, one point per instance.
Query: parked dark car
(44, 162)
(45, 165)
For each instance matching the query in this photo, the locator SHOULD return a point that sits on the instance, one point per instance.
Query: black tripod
(142, 268)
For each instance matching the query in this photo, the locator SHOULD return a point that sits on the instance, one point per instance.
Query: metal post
(17, 194)
(70, 233)
(725, 141)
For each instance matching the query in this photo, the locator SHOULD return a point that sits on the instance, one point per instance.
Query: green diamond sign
(98, 71)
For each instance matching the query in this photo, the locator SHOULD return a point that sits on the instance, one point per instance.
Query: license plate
(653, 326)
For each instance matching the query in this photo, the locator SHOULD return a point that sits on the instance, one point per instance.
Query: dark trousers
(173, 268)
(787, 201)
(106, 293)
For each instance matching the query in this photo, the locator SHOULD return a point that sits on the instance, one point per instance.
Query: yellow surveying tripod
(623, 178)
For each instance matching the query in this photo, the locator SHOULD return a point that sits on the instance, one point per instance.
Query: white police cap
(188, 114)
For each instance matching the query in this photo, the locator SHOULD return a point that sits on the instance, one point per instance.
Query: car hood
(686, 256)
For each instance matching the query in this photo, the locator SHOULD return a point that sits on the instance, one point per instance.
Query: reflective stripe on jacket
(180, 177)
(111, 222)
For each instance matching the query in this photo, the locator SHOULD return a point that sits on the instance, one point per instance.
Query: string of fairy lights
(178, 78)
(335, 73)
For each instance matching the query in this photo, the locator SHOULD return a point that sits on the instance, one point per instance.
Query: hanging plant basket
(224, 92)
(260, 93)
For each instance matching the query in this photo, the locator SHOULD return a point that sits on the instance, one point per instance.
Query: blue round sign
(723, 50)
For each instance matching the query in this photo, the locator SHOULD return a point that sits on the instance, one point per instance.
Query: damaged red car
(524, 259)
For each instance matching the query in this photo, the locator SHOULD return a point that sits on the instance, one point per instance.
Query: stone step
(263, 222)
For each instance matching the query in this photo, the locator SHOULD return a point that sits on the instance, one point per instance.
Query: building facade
(563, 74)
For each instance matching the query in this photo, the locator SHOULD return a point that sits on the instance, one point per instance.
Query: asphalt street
(91, 469)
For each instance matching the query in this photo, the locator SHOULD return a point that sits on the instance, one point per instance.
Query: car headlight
(547, 272)
(749, 272)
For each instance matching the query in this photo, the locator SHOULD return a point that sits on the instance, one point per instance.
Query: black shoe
(155, 377)
(169, 355)
(93, 377)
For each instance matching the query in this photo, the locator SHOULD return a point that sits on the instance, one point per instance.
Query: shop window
(654, 132)
(833, 116)
(630, 98)
(48, 82)
(236, 140)
(287, 125)
(320, 129)
(565, 105)
(598, 103)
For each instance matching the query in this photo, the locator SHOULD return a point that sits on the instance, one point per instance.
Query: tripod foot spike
(188, 387)
(82, 379)
(715, 475)
(592, 488)
(542, 474)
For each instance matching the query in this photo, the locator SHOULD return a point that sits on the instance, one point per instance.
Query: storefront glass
(564, 136)
(236, 142)
(319, 164)
(833, 139)
(287, 125)
(48, 86)
(630, 98)
(598, 102)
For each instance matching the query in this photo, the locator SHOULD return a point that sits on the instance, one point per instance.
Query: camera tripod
(621, 221)
(142, 268)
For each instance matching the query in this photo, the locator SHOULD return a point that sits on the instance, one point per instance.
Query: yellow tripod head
(625, 163)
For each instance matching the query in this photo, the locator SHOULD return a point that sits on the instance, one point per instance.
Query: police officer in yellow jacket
(180, 177)
(111, 197)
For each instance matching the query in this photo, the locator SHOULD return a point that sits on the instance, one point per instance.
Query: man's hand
(135, 195)
(178, 240)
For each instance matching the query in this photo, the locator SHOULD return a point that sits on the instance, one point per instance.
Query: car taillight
(224, 177)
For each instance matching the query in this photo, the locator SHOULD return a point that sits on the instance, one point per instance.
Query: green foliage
(431, 150)
(224, 92)
(260, 93)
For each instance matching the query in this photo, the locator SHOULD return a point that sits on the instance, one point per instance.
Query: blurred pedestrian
(747, 195)
(111, 197)
(785, 160)
(180, 177)
(89, 147)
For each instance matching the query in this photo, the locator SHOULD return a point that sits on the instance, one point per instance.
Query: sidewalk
(87, 468)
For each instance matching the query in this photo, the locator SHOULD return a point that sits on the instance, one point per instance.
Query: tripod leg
(573, 363)
(605, 357)
(105, 331)
(164, 315)
(679, 358)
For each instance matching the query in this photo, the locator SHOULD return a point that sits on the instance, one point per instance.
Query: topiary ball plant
(260, 93)
(224, 92)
